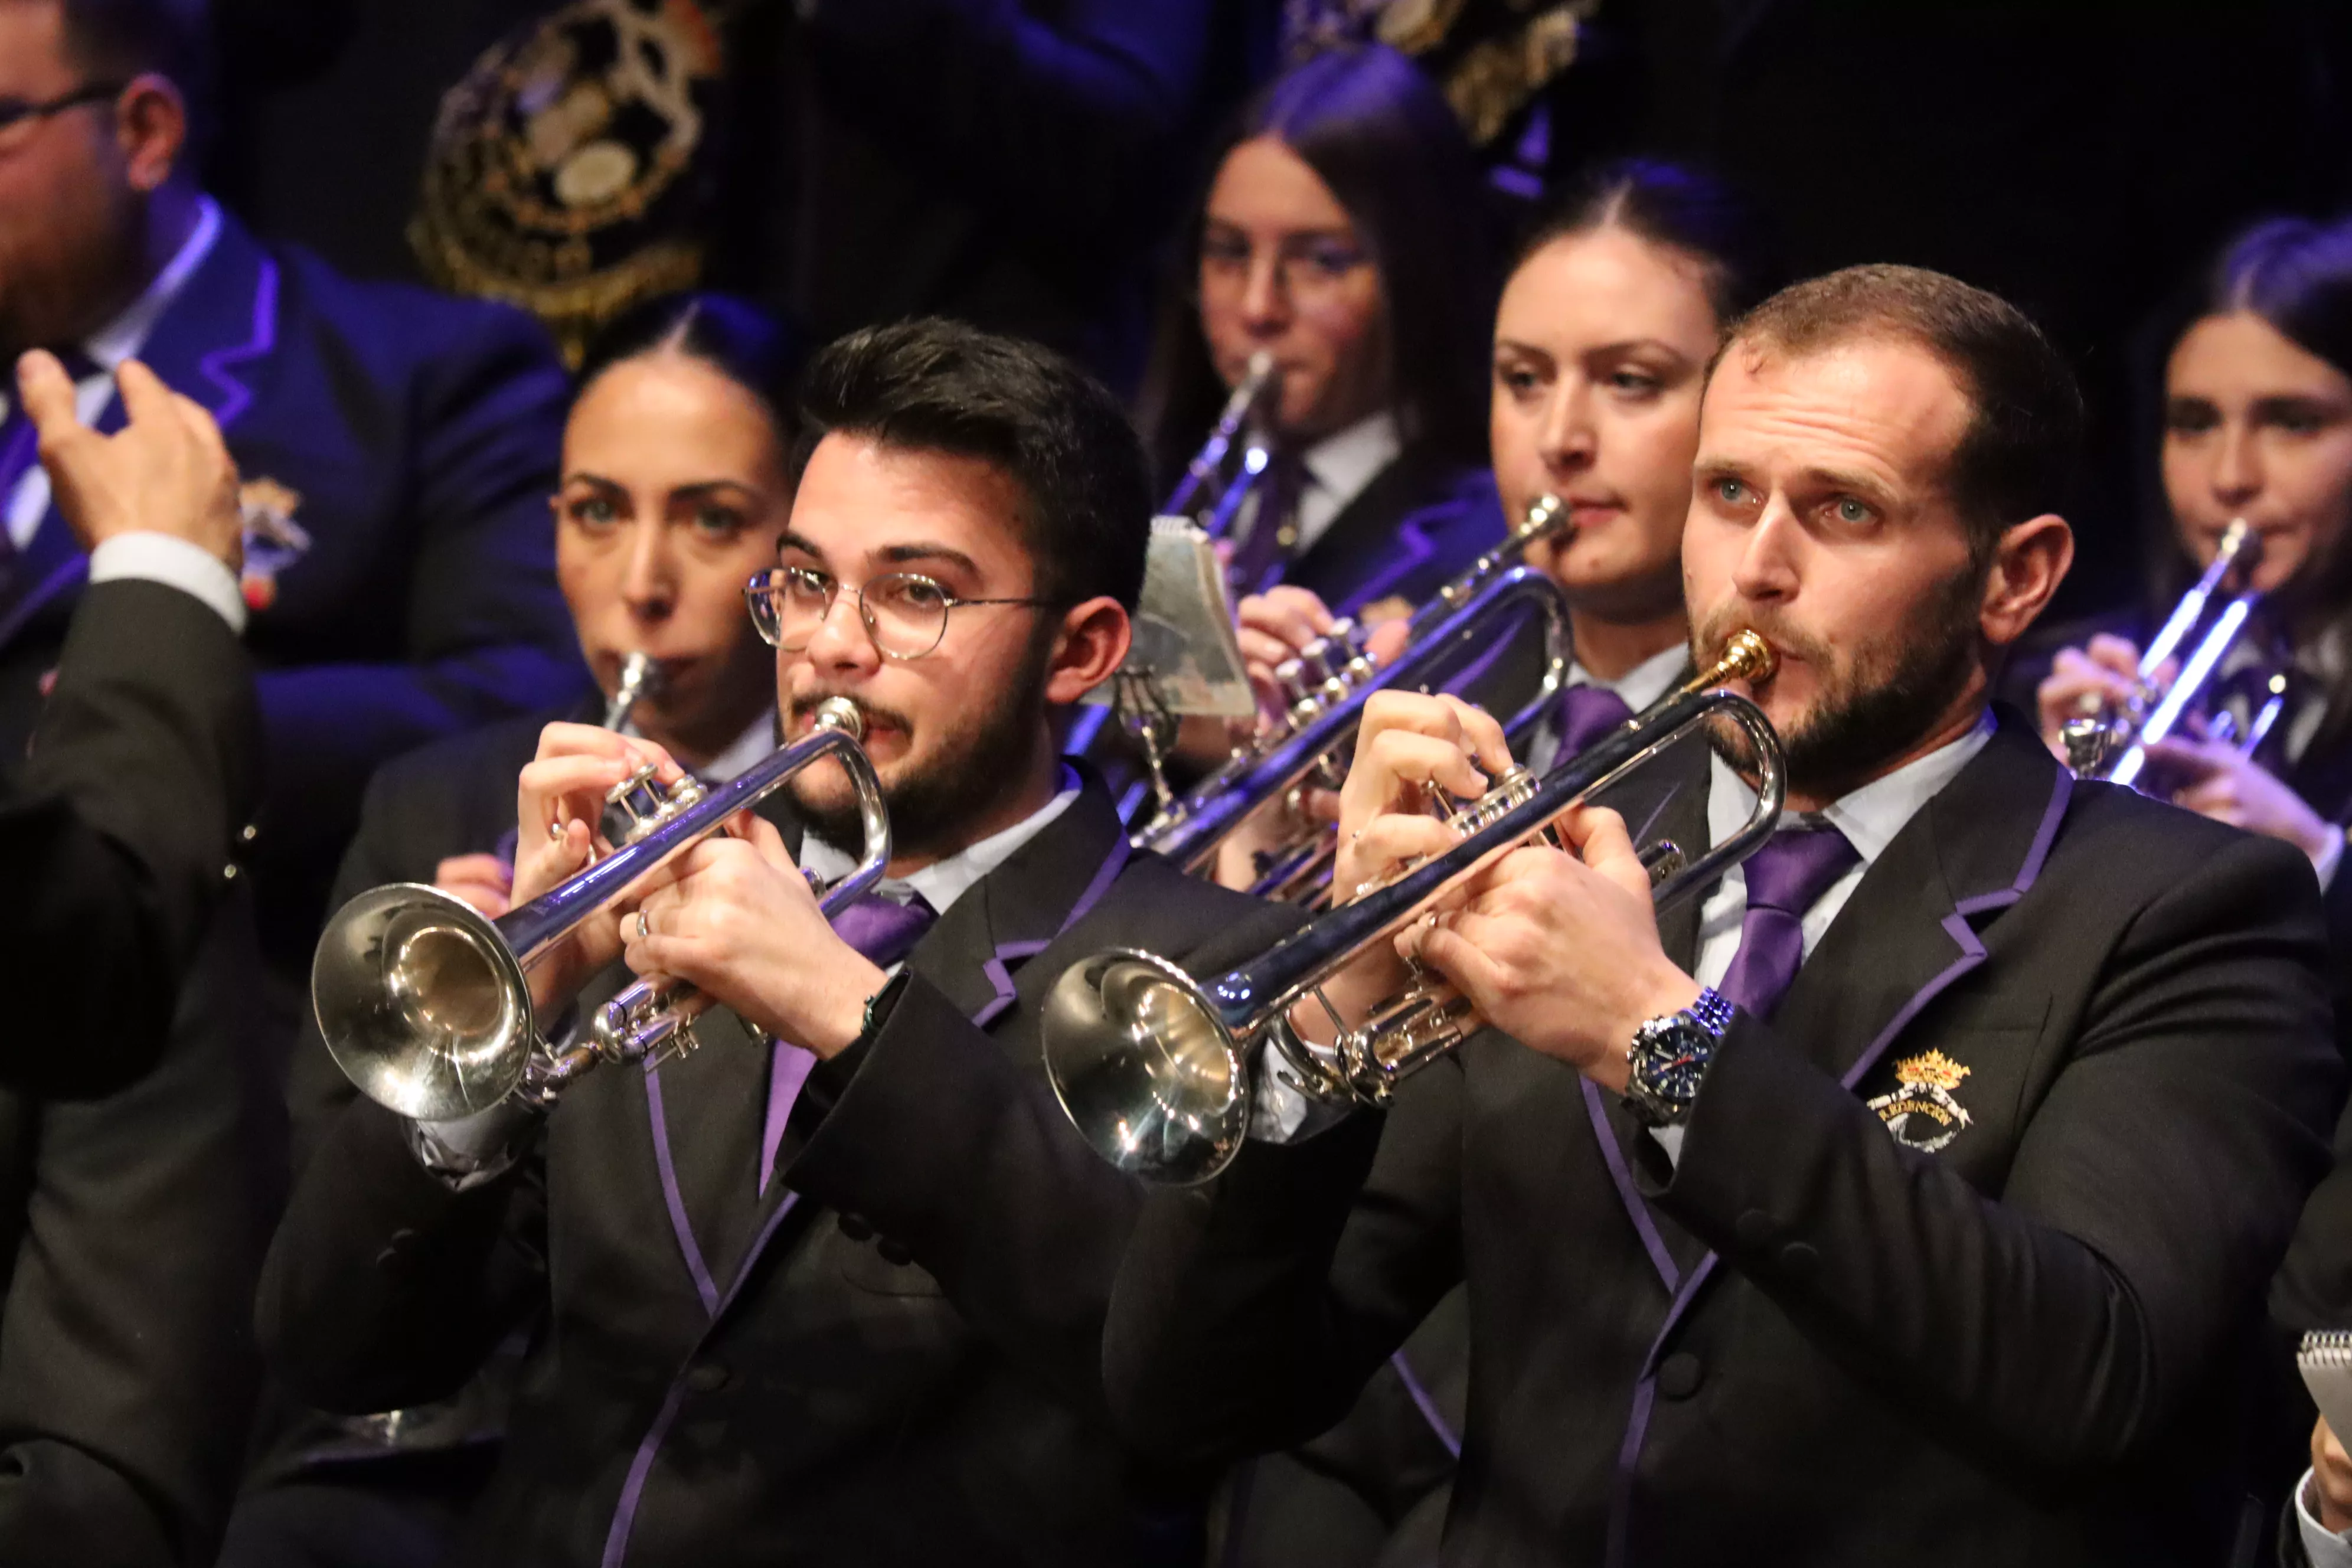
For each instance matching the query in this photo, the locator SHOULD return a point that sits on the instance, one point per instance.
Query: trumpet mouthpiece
(1747, 657)
(839, 713)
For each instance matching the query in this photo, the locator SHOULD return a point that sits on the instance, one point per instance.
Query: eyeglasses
(1306, 266)
(16, 110)
(905, 612)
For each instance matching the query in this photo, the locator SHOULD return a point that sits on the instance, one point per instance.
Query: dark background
(2079, 158)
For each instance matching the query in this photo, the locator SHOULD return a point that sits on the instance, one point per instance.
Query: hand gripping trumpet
(2112, 744)
(1328, 686)
(1159, 1071)
(423, 1000)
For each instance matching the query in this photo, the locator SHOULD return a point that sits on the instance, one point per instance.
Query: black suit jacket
(892, 1356)
(1403, 536)
(132, 1223)
(1809, 1342)
(418, 435)
(117, 835)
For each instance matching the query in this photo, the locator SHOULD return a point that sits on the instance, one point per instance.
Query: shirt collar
(1644, 683)
(125, 336)
(1343, 463)
(1872, 815)
(943, 881)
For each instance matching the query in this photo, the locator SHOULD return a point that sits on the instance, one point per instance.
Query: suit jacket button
(706, 1377)
(855, 1228)
(1800, 1261)
(396, 1248)
(1754, 1228)
(893, 1253)
(1680, 1375)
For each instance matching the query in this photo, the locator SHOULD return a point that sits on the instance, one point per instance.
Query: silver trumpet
(1207, 467)
(1328, 686)
(422, 999)
(1157, 1070)
(640, 678)
(2110, 741)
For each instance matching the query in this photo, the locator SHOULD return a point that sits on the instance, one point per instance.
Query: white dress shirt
(2322, 1545)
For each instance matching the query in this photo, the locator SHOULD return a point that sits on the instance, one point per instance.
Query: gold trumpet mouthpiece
(1747, 657)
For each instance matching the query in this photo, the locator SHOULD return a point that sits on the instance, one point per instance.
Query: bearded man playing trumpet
(1906, 1198)
(830, 1288)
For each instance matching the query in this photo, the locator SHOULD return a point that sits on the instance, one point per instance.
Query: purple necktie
(884, 932)
(1784, 879)
(1258, 561)
(1587, 713)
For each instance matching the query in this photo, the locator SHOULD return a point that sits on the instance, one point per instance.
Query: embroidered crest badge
(1921, 1110)
(273, 539)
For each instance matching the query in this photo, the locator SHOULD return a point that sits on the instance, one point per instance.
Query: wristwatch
(1669, 1056)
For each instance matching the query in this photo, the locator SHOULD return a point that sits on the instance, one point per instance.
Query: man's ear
(1092, 642)
(2029, 562)
(151, 125)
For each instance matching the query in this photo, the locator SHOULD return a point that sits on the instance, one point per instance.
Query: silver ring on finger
(555, 831)
(644, 930)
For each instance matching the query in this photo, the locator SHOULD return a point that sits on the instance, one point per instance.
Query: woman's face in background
(1283, 270)
(674, 494)
(1600, 347)
(2257, 426)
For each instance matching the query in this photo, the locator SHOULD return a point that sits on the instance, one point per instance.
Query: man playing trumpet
(829, 1292)
(1904, 1200)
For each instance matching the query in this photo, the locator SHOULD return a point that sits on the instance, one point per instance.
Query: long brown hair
(1382, 137)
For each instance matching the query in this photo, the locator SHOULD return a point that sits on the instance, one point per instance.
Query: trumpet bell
(422, 1003)
(1145, 1066)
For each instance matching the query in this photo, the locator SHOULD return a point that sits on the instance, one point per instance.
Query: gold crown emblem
(1935, 1069)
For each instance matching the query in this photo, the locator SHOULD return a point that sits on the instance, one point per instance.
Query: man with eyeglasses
(394, 446)
(830, 1288)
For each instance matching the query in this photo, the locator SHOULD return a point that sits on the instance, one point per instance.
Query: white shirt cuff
(2330, 857)
(176, 563)
(2322, 1545)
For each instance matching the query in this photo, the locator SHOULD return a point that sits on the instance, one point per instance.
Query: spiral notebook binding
(2327, 1347)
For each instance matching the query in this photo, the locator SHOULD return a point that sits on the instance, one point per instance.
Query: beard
(1873, 706)
(981, 759)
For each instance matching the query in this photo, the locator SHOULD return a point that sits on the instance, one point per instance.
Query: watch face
(1674, 1061)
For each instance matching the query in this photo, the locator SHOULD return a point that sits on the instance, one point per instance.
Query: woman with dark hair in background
(1608, 320)
(1344, 235)
(673, 494)
(2257, 425)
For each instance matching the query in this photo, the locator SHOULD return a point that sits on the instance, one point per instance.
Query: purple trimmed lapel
(224, 317)
(1976, 835)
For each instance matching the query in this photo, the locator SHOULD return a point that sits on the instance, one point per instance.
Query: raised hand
(165, 471)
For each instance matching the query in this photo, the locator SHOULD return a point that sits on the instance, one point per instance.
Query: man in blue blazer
(396, 448)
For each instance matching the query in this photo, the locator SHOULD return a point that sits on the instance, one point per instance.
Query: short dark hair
(1678, 207)
(2024, 435)
(1378, 132)
(114, 40)
(935, 385)
(737, 340)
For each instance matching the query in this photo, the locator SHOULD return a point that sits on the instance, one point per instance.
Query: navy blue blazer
(413, 440)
